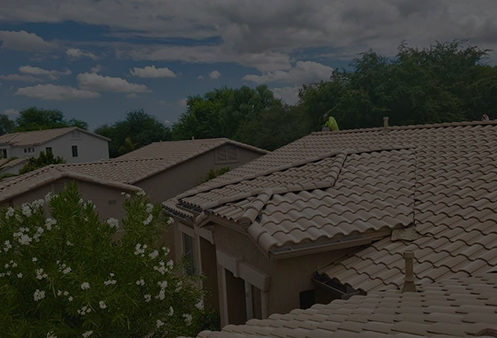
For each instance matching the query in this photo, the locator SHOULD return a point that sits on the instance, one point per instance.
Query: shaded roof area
(439, 181)
(16, 185)
(183, 149)
(454, 307)
(37, 137)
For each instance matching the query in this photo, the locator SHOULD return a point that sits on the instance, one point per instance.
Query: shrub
(213, 173)
(72, 275)
(44, 159)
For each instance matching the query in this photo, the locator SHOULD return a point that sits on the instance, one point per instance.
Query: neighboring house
(105, 194)
(454, 307)
(73, 144)
(330, 215)
(12, 165)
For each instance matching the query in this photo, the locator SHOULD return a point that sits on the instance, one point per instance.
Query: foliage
(213, 173)
(248, 115)
(443, 83)
(35, 119)
(6, 124)
(136, 131)
(44, 159)
(72, 275)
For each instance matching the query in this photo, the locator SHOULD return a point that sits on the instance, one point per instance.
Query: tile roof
(37, 178)
(453, 307)
(442, 178)
(183, 149)
(6, 163)
(37, 137)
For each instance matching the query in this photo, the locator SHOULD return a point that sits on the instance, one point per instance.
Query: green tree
(137, 130)
(6, 124)
(43, 159)
(35, 119)
(69, 274)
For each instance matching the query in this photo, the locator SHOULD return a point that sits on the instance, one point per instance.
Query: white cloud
(303, 72)
(152, 72)
(37, 71)
(200, 77)
(10, 112)
(24, 41)
(20, 78)
(289, 95)
(96, 69)
(215, 74)
(102, 83)
(77, 53)
(182, 102)
(54, 92)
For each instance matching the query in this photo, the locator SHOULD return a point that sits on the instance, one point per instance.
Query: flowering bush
(72, 275)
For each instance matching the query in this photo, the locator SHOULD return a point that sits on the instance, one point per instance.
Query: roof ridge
(410, 126)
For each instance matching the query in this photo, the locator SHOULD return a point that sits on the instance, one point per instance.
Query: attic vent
(226, 155)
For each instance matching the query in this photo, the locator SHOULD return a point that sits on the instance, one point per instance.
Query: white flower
(59, 293)
(48, 197)
(40, 274)
(140, 193)
(110, 282)
(87, 334)
(161, 295)
(7, 246)
(84, 310)
(49, 222)
(68, 243)
(170, 264)
(66, 270)
(188, 318)
(148, 220)
(200, 304)
(139, 250)
(70, 298)
(85, 286)
(51, 335)
(150, 207)
(170, 220)
(34, 259)
(102, 304)
(179, 286)
(9, 213)
(19, 275)
(24, 240)
(38, 295)
(65, 293)
(147, 298)
(159, 323)
(162, 284)
(37, 204)
(26, 210)
(140, 282)
(113, 223)
(171, 311)
(153, 254)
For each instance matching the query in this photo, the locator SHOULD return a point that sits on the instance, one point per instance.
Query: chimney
(409, 285)
(385, 121)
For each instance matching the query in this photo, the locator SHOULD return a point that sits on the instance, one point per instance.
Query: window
(29, 150)
(74, 151)
(307, 299)
(48, 150)
(3, 153)
(188, 254)
(226, 155)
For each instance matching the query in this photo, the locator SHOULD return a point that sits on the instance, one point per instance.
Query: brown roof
(332, 186)
(181, 150)
(20, 184)
(455, 307)
(28, 138)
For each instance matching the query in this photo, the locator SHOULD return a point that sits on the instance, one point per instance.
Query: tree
(37, 119)
(137, 130)
(6, 124)
(43, 159)
(70, 275)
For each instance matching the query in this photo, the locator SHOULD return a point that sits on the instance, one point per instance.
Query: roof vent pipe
(409, 285)
(385, 121)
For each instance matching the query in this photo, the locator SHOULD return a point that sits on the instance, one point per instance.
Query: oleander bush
(65, 273)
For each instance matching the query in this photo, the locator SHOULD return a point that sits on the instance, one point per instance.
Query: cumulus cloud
(76, 53)
(100, 83)
(23, 41)
(10, 112)
(152, 72)
(96, 69)
(215, 74)
(20, 78)
(37, 71)
(303, 72)
(289, 95)
(54, 92)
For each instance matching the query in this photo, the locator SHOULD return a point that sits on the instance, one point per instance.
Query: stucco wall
(90, 148)
(191, 173)
(108, 201)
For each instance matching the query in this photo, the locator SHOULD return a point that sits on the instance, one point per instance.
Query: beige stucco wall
(191, 173)
(108, 200)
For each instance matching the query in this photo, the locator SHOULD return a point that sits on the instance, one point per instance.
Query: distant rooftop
(37, 137)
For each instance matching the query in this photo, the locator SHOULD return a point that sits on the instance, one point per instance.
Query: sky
(96, 60)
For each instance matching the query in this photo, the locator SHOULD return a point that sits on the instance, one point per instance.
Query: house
(453, 307)
(73, 144)
(330, 215)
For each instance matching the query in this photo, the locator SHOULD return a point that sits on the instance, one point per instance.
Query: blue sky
(97, 60)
